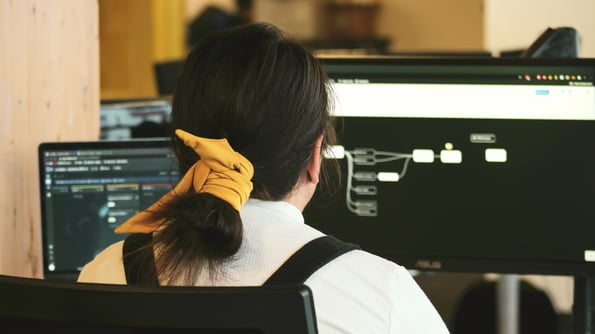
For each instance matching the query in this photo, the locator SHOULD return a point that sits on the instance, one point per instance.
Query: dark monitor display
(470, 165)
(87, 189)
(42, 306)
(129, 119)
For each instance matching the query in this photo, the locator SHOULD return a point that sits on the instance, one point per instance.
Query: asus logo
(428, 264)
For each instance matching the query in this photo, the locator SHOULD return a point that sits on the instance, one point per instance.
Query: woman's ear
(313, 168)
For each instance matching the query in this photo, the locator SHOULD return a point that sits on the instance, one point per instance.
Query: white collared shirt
(356, 293)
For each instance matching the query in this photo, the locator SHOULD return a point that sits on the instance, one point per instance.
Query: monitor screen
(469, 165)
(87, 189)
(127, 119)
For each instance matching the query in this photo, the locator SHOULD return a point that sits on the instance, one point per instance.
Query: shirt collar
(276, 207)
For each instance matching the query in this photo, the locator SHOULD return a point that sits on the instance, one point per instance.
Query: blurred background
(137, 34)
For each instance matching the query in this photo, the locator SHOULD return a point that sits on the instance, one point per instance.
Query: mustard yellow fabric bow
(221, 172)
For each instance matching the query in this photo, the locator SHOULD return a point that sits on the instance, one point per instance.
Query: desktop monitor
(87, 189)
(465, 165)
(124, 119)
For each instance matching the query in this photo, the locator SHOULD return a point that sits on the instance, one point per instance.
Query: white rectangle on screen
(464, 101)
(423, 156)
(496, 155)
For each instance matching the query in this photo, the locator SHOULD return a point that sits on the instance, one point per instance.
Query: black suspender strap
(307, 260)
(297, 269)
(138, 250)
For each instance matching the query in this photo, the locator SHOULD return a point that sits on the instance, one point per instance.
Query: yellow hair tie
(220, 171)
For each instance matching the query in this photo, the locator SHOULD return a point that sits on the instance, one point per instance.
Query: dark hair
(269, 97)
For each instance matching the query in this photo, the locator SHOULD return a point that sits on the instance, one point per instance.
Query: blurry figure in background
(476, 310)
(246, 10)
(214, 18)
(211, 18)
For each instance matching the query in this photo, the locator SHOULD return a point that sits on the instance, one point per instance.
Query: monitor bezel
(439, 263)
(43, 147)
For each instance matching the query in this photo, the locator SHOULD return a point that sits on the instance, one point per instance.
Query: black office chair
(43, 306)
(166, 76)
(561, 42)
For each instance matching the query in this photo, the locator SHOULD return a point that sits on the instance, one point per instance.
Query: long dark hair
(269, 97)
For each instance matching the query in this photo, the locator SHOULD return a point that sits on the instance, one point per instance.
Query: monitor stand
(507, 304)
(583, 309)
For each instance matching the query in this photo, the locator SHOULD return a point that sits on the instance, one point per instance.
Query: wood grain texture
(134, 35)
(49, 91)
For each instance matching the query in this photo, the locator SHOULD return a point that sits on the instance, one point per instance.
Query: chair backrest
(67, 307)
(561, 42)
(166, 76)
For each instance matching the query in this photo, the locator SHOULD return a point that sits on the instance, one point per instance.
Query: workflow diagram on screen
(360, 198)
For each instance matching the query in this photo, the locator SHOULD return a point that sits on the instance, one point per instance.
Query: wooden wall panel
(436, 25)
(134, 34)
(429, 25)
(126, 48)
(170, 30)
(49, 91)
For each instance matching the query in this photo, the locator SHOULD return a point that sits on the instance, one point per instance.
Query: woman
(254, 106)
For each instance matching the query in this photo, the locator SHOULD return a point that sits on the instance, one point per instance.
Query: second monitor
(134, 118)
(475, 165)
